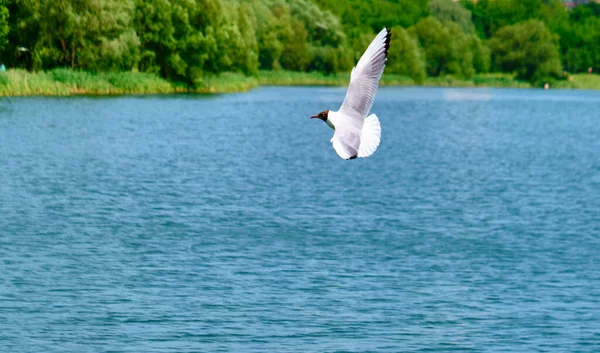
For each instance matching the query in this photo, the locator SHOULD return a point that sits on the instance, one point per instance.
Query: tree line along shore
(69, 47)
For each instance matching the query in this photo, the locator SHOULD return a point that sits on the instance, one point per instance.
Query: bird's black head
(322, 115)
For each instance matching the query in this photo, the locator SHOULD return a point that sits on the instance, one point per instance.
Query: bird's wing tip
(388, 39)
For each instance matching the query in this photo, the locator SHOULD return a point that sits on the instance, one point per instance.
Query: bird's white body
(356, 134)
(368, 130)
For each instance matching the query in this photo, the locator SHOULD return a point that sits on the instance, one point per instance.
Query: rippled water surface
(227, 223)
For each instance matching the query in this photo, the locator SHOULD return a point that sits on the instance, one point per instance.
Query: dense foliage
(527, 49)
(185, 40)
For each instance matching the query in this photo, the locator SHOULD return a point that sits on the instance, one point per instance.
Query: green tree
(324, 60)
(4, 26)
(344, 58)
(89, 34)
(527, 49)
(582, 47)
(447, 48)
(296, 52)
(554, 14)
(104, 38)
(274, 27)
(247, 25)
(323, 28)
(155, 29)
(452, 11)
(405, 57)
(185, 40)
(481, 55)
(376, 14)
(360, 42)
(491, 15)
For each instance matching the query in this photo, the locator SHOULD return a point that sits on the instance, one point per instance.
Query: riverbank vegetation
(65, 82)
(160, 46)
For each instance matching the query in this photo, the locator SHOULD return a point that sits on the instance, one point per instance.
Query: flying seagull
(356, 134)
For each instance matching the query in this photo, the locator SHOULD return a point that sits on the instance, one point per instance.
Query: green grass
(480, 80)
(64, 82)
(292, 78)
(226, 83)
(287, 78)
(578, 81)
(498, 80)
(137, 82)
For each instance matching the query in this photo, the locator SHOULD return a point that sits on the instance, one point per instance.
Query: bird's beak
(314, 117)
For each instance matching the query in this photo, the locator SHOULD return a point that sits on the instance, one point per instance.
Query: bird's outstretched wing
(364, 80)
(365, 76)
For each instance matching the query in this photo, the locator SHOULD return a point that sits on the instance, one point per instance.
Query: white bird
(356, 134)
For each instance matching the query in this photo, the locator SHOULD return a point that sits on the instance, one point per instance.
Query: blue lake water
(227, 223)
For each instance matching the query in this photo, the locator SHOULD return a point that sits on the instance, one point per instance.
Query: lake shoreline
(66, 82)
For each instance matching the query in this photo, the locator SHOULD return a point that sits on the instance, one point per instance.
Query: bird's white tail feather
(370, 136)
